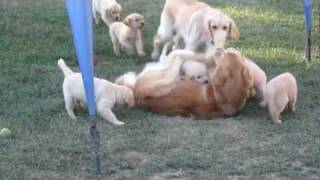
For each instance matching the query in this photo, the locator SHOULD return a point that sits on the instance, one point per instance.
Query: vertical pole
(308, 24)
(80, 17)
(319, 28)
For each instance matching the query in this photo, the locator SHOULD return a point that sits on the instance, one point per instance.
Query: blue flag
(80, 17)
(308, 14)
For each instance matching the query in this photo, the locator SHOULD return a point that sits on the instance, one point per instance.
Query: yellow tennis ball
(5, 132)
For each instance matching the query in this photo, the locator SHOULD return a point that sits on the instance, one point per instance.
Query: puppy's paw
(141, 53)
(277, 121)
(155, 55)
(119, 123)
(263, 103)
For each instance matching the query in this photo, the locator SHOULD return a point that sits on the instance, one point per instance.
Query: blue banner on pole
(80, 17)
(308, 14)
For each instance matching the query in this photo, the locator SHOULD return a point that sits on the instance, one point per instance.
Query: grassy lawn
(47, 143)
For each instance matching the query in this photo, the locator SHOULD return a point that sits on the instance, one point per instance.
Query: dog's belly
(186, 99)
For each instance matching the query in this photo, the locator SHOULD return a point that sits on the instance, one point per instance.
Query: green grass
(47, 143)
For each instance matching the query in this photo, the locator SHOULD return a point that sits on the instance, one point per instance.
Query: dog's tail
(128, 79)
(65, 69)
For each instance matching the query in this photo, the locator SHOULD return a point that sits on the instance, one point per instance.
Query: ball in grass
(5, 132)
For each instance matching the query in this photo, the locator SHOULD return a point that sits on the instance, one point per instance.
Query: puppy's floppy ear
(221, 77)
(120, 8)
(109, 12)
(127, 21)
(182, 71)
(248, 82)
(233, 30)
(129, 99)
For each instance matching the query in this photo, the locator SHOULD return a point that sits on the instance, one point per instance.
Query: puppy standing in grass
(281, 92)
(106, 94)
(127, 35)
(108, 10)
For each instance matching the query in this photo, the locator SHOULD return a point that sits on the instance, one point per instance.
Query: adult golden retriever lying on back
(229, 87)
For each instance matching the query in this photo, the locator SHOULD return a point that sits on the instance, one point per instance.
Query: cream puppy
(195, 71)
(109, 11)
(127, 35)
(106, 94)
(191, 68)
(259, 77)
(281, 92)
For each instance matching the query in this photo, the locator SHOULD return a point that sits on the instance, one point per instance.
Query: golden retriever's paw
(263, 103)
(277, 121)
(141, 53)
(118, 123)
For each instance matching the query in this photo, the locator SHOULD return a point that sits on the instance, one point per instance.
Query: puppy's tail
(65, 69)
(128, 79)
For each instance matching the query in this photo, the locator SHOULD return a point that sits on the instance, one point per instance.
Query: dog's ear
(222, 75)
(233, 30)
(248, 82)
(120, 8)
(182, 71)
(210, 31)
(129, 99)
(127, 21)
(109, 12)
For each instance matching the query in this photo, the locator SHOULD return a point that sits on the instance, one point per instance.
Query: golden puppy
(281, 92)
(259, 77)
(109, 10)
(194, 23)
(225, 94)
(127, 35)
(106, 93)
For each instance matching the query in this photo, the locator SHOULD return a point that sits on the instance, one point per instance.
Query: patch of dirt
(179, 175)
(136, 158)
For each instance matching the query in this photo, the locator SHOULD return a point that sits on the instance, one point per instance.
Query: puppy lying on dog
(108, 10)
(190, 69)
(106, 94)
(127, 35)
(195, 71)
(281, 92)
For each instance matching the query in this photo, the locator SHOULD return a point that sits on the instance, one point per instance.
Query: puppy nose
(206, 82)
(117, 18)
(219, 52)
(142, 24)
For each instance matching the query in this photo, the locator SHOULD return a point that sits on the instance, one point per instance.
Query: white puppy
(195, 71)
(281, 92)
(127, 35)
(106, 94)
(108, 10)
(190, 68)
